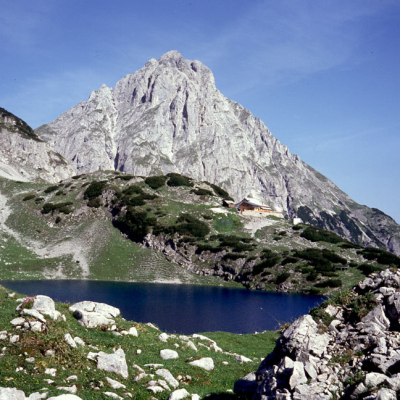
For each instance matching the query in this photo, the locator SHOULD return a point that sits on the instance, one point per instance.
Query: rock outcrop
(25, 157)
(170, 117)
(349, 349)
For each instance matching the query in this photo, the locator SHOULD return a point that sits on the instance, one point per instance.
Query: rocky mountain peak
(170, 117)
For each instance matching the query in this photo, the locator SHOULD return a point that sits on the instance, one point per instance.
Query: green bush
(94, 203)
(39, 200)
(314, 291)
(381, 256)
(65, 210)
(29, 197)
(125, 177)
(133, 189)
(317, 258)
(51, 189)
(135, 223)
(289, 260)
(202, 192)
(186, 224)
(207, 217)
(58, 219)
(297, 227)
(312, 276)
(233, 256)
(155, 182)
(220, 192)
(94, 190)
(61, 207)
(367, 269)
(207, 247)
(319, 235)
(332, 283)
(178, 180)
(282, 277)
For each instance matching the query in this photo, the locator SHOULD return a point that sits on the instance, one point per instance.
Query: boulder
(168, 354)
(246, 385)
(100, 308)
(46, 306)
(65, 397)
(92, 319)
(11, 394)
(164, 373)
(115, 362)
(179, 394)
(206, 363)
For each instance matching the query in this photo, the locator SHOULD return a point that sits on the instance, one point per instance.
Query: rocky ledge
(348, 348)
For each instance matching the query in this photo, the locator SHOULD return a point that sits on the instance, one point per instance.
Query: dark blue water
(182, 309)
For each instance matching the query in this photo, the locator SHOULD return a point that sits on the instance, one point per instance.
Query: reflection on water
(180, 308)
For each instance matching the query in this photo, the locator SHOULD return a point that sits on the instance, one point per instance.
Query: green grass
(70, 361)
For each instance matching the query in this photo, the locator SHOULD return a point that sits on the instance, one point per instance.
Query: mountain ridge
(170, 117)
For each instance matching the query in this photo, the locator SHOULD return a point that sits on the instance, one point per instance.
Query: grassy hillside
(24, 362)
(113, 226)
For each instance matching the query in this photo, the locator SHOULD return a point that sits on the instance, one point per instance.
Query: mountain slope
(170, 117)
(24, 156)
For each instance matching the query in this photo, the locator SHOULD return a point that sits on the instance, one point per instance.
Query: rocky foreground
(87, 351)
(349, 348)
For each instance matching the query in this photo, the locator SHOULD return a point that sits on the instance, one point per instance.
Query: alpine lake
(178, 308)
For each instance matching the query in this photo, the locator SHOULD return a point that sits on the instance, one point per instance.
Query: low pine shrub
(220, 192)
(94, 190)
(233, 256)
(186, 224)
(319, 235)
(178, 180)
(155, 182)
(29, 197)
(202, 192)
(282, 277)
(94, 203)
(133, 189)
(51, 189)
(331, 283)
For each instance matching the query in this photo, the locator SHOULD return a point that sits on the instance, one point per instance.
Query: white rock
(14, 339)
(242, 359)
(51, 371)
(168, 354)
(163, 337)
(71, 389)
(30, 360)
(115, 384)
(113, 395)
(17, 321)
(72, 378)
(11, 394)
(79, 341)
(166, 374)
(100, 308)
(206, 363)
(115, 362)
(46, 306)
(155, 389)
(65, 397)
(69, 340)
(179, 394)
(34, 313)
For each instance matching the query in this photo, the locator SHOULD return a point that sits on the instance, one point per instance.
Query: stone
(166, 374)
(17, 321)
(246, 385)
(51, 371)
(69, 340)
(115, 362)
(386, 394)
(163, 337)
(298, 375)
(179, 394)
(100, 308)
(92, 319)
(206, 363)
(373, 379)
(65, 397)
(46, 306)
(33, 313)
(71, 389)
(168, 354)
(11, 394)
(113, 395)
(242, 359)
(79, 341)
(115, 384)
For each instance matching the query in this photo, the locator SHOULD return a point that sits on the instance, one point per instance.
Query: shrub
(314, 291)
(313, 276)
(220, 192)
(316, 257)
(381, 256)
(189, 225)
(94, 190)
(95, 203)
(61, 207)
(135, 223)
(202, 192)
(319, 235)
(60, 192)
(207, 247)
(289, 260)
(58, 219)
(207, 217)
(178, 180)
(39, 200)
(155, 182)
(282, 277)
(135, 201)
(360, 307)
(29, 197)
(78, 176)
(133, 189)
(125, 177)
(319, 314)
(332, 283)
(65, 210)
(367, 269)
(233, 256)
(297, 227)
(51, 189)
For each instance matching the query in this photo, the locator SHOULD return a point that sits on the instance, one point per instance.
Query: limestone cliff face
(24, 157)
(170, 117)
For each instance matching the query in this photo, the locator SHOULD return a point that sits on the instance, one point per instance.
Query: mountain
(24, 156)
(170, 117)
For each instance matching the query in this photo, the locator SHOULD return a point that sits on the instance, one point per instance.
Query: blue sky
(323, 75)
